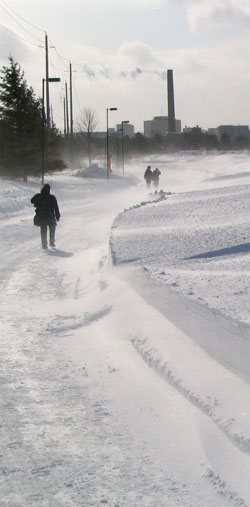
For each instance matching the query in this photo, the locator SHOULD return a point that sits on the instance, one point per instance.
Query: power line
(25, 20)
(57, 91)
(55, 67)
(41, 49)
(18, 36)
(19, 24)
(62, 59)
(8, 10)
(60, 56)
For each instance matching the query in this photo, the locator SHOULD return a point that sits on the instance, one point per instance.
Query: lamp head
(54, 79)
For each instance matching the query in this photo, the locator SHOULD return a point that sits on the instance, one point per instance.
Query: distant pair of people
(152, 176)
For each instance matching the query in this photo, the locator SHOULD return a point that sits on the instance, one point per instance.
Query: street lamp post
(107, 137)
(50, 80)
(43, 132)
(122, 130)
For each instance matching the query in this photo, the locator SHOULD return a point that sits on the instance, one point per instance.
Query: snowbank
(225, 339)
(15, 197)
(193, 250)
(95, 171)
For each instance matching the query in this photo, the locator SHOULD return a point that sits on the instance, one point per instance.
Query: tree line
(29, 145)
(140, 145)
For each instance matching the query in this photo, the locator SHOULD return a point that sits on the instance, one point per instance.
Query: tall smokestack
(171, 110)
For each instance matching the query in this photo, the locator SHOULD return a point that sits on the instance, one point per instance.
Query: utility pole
(46, 121)
(122, 130)
(47, 79)
(107, 140)
(43, 132)
(71, 113)
(67, 108)
(71, 100)
(64, 116)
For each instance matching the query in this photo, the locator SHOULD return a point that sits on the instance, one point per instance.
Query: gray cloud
(227, 12)
(89, 72)
(10, 43)
(104, 71)
(95, 72)
(231, 14)
(136, 72)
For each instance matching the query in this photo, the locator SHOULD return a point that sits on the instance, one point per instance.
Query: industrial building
(164, 125)
(160, 125)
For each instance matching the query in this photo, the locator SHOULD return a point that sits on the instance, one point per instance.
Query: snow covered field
(125, 352)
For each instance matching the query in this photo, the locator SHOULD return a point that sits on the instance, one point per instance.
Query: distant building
(232, 132)
(191, 129)
(128, 129)
(160, 125)
(214, 132)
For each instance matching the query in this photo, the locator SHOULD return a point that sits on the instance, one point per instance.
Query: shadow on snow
(243, 248)
(60, 253)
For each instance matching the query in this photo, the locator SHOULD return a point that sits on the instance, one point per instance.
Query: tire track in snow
(68, 447)
(206, 406)
(72, 322)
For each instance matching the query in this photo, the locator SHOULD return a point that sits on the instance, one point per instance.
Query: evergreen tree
(21, 120)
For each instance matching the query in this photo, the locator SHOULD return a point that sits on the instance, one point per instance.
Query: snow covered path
(103, 400)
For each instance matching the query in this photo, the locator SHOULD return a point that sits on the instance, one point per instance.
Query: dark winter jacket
(155, 175)
(148, 174)
(47, 210)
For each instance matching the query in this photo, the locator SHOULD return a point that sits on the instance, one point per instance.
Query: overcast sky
(120, 51)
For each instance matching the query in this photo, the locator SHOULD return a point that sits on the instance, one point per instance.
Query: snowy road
(104, 401)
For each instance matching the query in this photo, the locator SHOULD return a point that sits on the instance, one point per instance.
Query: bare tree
(88, 122)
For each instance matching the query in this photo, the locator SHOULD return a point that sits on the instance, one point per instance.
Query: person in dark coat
(148, 176)
(47, 214)
(155, 177)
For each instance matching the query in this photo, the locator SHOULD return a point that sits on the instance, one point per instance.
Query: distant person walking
(47, 214)
(156, 177)
(148, 176)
